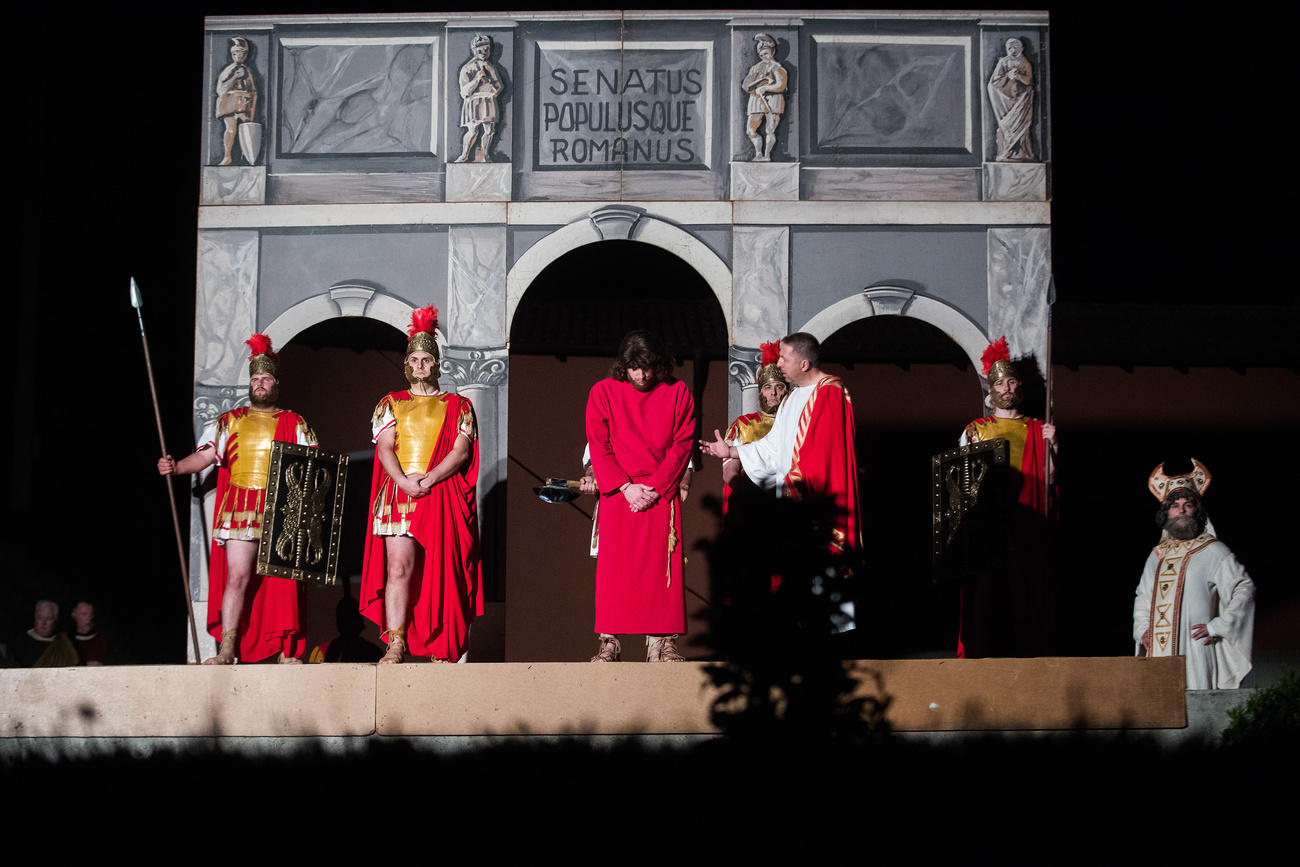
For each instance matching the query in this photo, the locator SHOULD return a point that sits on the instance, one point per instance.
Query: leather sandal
(663, 649)
(226, 652)
(610, 649)
(396, 652)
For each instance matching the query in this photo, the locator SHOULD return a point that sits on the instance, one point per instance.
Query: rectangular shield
(303, 520)
(958, 478)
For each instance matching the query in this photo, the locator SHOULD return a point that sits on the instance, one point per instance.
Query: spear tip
(136, 301)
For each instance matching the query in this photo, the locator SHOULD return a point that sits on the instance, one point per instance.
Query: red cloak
(448, 582)
(269, 624)
(825, 459)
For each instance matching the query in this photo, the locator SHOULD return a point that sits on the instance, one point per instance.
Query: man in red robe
(421, 578)
(239, 443)
(1006, 606)
(640, 423)
(810, 448)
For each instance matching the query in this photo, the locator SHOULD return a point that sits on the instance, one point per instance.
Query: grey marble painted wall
(356, 99)
(828, 264)
(477, 290)
(875, 93)
(1020, 269)
(224, 309)
(298, 264)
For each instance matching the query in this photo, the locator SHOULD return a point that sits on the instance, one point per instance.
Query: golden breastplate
(1013, 430)
(419, 421)
(755, 430)
(248, 455)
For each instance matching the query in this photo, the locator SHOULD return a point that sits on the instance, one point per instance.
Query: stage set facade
(814, 169)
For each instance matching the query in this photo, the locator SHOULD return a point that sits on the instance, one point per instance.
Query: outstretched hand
(718, 448)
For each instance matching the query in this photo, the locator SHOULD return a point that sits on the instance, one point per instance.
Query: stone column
(225, 316)
(476, 361)
(1019, 270)
(760, 303)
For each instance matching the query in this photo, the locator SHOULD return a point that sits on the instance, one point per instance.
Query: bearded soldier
(239, 443)
(1006, 607)
(753, 426)
(1194, 599)
(421, 578)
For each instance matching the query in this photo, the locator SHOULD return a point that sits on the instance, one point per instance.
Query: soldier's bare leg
(241, 557)
(399, 568)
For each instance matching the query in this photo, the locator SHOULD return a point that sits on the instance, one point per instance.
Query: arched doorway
(334, 372)
(913, 390)
(564, 332)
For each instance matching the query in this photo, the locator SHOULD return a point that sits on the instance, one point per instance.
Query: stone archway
(898, 301)
(341, 300)
(626, 223)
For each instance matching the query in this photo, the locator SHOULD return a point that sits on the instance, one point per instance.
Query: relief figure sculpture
(765, 83)
(237, 105)
(1011, 91)
(480, 84)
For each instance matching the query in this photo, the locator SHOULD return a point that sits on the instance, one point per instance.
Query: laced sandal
(663, 649)
(226, 652)
(396, 652)
(610, 649)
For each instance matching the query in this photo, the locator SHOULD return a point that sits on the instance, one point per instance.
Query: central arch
(899, 301)
(563, 334)
(613, 223)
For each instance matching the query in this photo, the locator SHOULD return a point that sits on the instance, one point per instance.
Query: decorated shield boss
(962, 479)
(303, 520)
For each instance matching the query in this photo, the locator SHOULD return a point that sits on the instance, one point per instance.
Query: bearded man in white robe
(1195, 599)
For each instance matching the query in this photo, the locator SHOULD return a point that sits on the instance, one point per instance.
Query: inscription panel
(630, 105)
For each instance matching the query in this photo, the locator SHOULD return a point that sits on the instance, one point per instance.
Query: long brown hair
(642, 349)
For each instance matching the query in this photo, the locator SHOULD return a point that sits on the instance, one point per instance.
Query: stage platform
(536, 699)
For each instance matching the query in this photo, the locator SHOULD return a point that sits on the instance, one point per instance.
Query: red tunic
(825, 460)
(448, 583)
(642, 437)
(269, 624)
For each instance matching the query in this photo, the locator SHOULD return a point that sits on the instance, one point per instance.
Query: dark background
(1172, 177)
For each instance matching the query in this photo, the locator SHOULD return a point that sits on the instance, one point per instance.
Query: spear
(138, 304)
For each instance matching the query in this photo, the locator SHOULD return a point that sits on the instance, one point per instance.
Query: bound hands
(718, 448)
(640, 497)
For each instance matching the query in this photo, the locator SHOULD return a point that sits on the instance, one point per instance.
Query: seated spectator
(90, 641)
(43, 646)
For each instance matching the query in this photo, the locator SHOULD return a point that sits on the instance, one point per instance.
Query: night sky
(1172, 177)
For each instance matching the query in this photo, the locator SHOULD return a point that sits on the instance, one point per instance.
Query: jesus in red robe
(640, 423)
